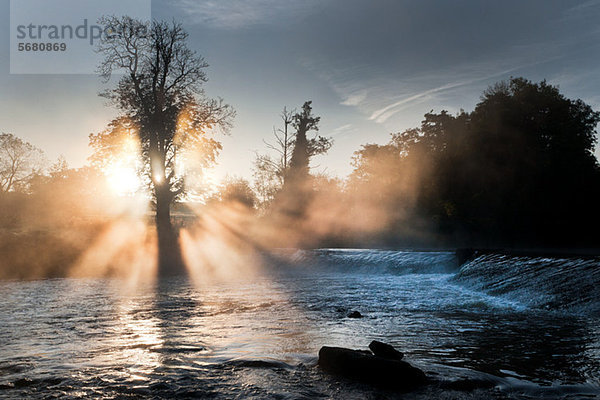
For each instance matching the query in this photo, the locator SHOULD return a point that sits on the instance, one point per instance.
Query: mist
(319, 200)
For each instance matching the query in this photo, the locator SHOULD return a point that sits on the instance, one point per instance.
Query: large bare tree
(161, 95)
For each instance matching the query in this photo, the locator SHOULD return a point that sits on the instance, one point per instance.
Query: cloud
(236, 14)
(355, 98)
(382, 114)
(377, 94)
(343, 130)
(386, 112)
(584, 7)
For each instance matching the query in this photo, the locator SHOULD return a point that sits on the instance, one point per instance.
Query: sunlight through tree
(161, 95)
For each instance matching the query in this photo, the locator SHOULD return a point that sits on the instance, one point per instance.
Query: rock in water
(385, 350)
(380, 371)
(355, 314)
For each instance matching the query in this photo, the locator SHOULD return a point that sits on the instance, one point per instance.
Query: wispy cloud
(383, 114)
(584, 7)
(355, 98)
(386, 112)
(343, 130)
(235, 14)
(381, 96)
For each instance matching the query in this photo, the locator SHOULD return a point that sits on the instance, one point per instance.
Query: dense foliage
(518, 170)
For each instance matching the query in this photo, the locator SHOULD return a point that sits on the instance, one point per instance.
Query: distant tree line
(517, 171)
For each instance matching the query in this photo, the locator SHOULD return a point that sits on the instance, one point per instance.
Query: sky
(371, 68)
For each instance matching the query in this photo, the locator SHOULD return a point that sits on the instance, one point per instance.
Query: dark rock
(159, 386)
(358, 365)
(355, 314)
(385, 350)
(258, 364)
(23, 382)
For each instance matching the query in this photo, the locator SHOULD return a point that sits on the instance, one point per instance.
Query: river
(259, 338)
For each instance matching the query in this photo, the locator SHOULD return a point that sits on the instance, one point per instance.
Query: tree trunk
(170, 260)
(295, 194)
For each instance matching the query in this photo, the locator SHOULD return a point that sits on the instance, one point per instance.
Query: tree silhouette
(303, 122)
(269, 171)
(19, 161)
(293, 151)
(518, 170)
(285, 179)
(161, 97)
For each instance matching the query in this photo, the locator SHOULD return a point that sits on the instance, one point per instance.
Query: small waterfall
(378, 261)
(542, 282)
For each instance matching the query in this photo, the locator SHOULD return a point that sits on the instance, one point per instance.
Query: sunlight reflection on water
(171, 338)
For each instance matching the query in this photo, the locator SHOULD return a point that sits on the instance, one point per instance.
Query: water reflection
(134, 339)
(171, 338)
(539, 346)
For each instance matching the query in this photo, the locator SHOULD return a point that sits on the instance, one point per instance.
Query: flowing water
(515, 328)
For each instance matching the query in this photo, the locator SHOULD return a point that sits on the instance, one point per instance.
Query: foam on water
(571, 284)
(378, 261)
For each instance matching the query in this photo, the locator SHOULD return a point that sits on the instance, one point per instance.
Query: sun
(122, 179)
(122, 170)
